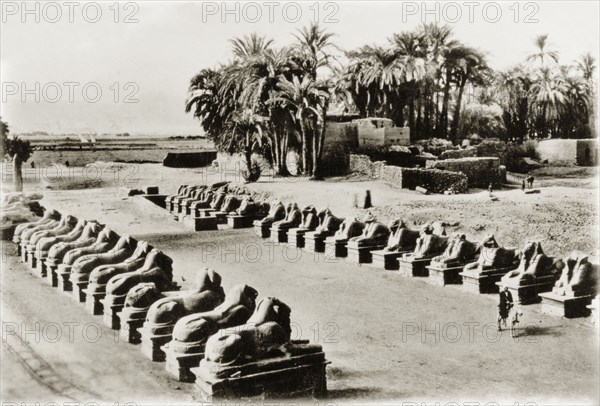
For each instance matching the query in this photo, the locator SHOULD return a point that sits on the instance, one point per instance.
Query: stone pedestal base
(566, 306)
(179, 364)
(152, 343)
(110, 316)
(64, 278)
(79, 291)
(262, 230)
(202, 223)
(529, 293)
(445, 276)
(414, 267)
(221, 217)
(295, 237)
(279, 234)
(93, 302)
(31, 259)
(336, 248)
(237, 221)
(40, 268)
(314, 242)
(361, 255)
(51, 275)
(131, 320)
(129, 331)
(484, 281)
(388, 260)
(24, 254)
(282, 377)
(112, 306)
(205, 212)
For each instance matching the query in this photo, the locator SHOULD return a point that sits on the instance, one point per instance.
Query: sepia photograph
(289, 203)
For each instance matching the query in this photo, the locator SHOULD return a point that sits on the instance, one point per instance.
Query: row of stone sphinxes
(229, 344)
(566, 285)
(204, 207)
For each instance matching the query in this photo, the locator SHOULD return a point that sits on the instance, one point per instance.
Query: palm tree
(315, 47)
(472, 68)
(250, 45)
(301, 98)
(543, 54)
(547, 97)
(587, 66)
(410, 49)
(261, 76)
(512, 93)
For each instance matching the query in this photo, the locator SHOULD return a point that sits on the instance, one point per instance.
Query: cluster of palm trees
(541, 98)
(270, 100)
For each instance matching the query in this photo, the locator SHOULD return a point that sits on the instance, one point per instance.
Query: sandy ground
(390, 339)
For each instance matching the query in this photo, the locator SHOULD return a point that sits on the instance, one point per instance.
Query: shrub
(253, 174)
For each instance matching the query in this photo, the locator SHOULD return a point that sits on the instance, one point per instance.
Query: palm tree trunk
(248, 152)
(456, 116)
(443, 119)
(17, 173)
(304, 146)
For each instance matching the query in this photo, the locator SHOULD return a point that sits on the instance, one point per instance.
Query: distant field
(83, 157)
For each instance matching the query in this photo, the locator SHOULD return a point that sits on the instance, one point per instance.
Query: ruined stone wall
(363, 165)
(480, 171)
(559, 152)
(434, 180)
(587, 152)
(340, 140)
(459, 153)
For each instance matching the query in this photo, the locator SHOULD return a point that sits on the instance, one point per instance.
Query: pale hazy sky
(152, 59)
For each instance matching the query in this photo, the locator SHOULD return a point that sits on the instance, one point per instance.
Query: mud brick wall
(480, 171)
(434, 180)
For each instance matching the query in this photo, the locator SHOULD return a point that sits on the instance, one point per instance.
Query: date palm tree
(301, 98)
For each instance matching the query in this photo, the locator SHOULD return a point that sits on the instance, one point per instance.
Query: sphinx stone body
(573, 293)
(336, 246)
(164, 313)
(292, 219)
(85, 265)
(535, 274)
(191, 332)
(57, 252)
(493, 262)
(401, 240)
(263, 346)
(374, 236)
(64, 226)
(105, 240)
(262, 227)
(156, 269)
(310, 221)
(445, 269)
(428, 246)
(329, 224)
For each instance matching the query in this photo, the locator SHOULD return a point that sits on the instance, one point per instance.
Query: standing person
(523, 185)
(504, 306)
(490, 188)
